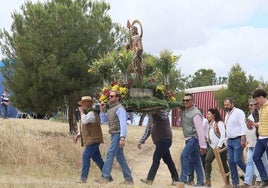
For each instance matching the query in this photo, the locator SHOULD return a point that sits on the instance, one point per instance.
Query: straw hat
(84, 99)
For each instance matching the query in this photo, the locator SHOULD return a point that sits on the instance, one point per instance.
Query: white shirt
(235, 123)
(214, 140)
(251, 134)
(88, 118)
(206, 127)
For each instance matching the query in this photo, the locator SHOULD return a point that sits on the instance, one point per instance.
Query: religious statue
(135, 44)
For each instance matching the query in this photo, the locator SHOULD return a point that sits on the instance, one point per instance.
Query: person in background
(206, 128)
(195, 143)
(236, 138)
(216, 139)
(251, 142)
(179, 109)
(5, 104)
(116, 117)
(159, 128)
(261, 146)
(91, 137)
(130, 117)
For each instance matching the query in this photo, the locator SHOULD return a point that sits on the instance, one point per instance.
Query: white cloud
(226, 47)
(212, 34)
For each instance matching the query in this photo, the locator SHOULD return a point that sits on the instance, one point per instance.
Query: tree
(49, 50)
(221, 80)
(203, 77)
(240, 88)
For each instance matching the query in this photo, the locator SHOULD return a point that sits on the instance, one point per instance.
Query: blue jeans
(192, 167)
(5, 110)
(162, 152)
(250, 167)
(190, 153)
(90, 151)
(235, 155)
(115, 151)
(260, 147)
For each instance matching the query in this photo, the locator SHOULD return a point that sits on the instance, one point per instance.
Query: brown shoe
(103, 180)
(263, 184)
(81, 181)
(128, 182)
(190, 183)
(257, 183)
(208, 183)
(245, 185)
(149, 182)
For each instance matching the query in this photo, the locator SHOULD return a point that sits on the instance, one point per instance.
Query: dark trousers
(162, 152)
(210, 158)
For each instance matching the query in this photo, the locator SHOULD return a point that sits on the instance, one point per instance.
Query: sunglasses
(186, 100)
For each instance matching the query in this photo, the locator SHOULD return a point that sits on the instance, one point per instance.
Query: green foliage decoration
(166, 61)
(103, 66)
(124, 60)
(147, 104)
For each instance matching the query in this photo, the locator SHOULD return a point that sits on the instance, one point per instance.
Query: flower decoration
(166, 61)
(170, 95)
(105, 92)
(162, 92)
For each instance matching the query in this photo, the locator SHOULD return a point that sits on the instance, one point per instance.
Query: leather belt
(234, 138)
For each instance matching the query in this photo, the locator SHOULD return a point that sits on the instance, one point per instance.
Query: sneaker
(175, 182)
(103, 180)
(149, 182)
(199, 185)
(190, 183)
(128, 182)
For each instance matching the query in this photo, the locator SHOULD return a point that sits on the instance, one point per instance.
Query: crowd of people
(234, 135)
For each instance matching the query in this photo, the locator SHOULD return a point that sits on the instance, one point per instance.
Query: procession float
(139, 93)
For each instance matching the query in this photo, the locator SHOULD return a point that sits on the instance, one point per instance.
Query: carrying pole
(217, 153)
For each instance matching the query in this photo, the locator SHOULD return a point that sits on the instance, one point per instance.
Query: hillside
(41, 153)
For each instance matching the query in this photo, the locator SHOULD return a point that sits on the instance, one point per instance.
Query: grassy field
(41, 153)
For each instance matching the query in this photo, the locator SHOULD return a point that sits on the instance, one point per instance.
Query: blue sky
(213, 34)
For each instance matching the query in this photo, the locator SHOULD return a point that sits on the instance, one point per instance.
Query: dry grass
(40, 153)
